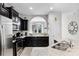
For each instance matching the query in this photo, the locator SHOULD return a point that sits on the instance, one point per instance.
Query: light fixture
(30, 8)
(51, 8)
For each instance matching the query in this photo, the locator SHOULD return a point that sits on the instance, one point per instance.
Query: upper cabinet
(3, 10)
(18, 23)
(24, 24)
(12, 13)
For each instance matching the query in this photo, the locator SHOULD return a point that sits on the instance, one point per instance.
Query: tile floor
(47, 51)
(27, 51)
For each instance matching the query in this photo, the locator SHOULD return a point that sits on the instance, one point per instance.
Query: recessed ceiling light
(51, 8)
(30, 8)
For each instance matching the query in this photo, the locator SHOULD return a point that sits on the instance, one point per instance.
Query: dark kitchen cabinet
(36, 41)
(27, 41)
(12, 13)
(24, 24)
(21, 24)
(3, 10)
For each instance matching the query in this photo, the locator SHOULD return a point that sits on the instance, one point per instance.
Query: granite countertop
(31, 36)
(36, 36)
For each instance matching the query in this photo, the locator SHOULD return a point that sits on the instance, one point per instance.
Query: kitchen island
(36, 41)
(19, 43)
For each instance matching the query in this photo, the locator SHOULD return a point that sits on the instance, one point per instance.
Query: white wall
(59, 29)
(66, 18)
(54, 27)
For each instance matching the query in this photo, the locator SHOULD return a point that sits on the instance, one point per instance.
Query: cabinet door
(4, 12)
(43, 41)
(27, 42)
(12, 12)
(22, 24)
(35, 42)
(25, 22)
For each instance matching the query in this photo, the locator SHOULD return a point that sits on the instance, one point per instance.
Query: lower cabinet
(27, 41)
(36, 41)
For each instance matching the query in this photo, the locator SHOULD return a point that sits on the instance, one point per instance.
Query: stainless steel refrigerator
(6, 36)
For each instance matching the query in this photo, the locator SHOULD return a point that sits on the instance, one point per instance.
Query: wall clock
(73, 27)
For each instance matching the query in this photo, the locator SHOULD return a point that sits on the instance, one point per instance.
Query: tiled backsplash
(24, 33)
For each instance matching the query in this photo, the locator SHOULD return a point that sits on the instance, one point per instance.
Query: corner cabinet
(36, 41)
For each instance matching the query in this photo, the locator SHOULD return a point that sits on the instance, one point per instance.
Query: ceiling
(43, 8)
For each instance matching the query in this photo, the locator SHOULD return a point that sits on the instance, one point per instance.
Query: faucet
(71, 45)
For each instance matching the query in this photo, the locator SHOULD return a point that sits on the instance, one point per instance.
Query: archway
(38, 25)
